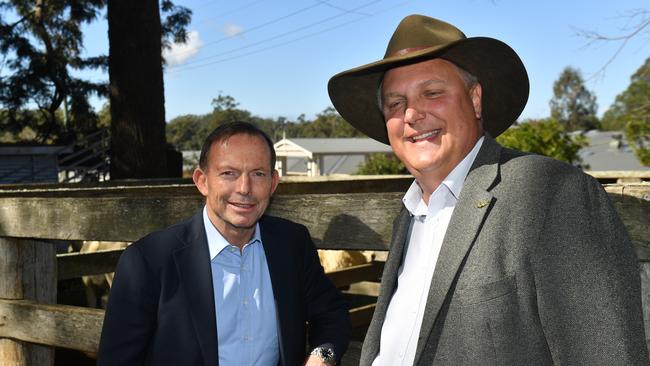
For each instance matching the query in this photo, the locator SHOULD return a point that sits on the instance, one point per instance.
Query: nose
(244, 184)
(412, 114)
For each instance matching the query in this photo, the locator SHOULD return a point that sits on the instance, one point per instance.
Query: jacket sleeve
(587, 280)
(130, 318)
(327, 312)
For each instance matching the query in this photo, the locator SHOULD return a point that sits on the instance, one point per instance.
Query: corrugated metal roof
(606, 153)
(339, 146)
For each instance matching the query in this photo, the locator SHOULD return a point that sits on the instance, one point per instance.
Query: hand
(316, 361)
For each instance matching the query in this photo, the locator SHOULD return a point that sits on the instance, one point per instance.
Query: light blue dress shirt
(247, 325)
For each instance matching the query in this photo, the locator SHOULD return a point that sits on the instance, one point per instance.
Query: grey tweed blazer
(536, 268)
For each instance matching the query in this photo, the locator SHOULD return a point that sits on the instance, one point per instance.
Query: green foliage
(545, 137)
(40, 53)
(381, 164)
(631, 112)
(631, 104)
(188, 132)
(572, 104)
(41, 43)
(329, 123)
(183, 132)
(637, 134)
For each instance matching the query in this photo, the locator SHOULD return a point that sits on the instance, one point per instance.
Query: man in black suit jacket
(169, 289)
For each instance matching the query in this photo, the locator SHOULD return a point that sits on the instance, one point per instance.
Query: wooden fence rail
(343, 215)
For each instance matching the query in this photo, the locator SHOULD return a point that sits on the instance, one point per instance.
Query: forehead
(435, 69)
(240, 147)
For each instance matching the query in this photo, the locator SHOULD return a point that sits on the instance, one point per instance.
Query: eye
(393, 104)
(432, 93)
(228, 174)
(259, 174)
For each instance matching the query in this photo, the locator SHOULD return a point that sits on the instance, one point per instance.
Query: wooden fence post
(27, 272)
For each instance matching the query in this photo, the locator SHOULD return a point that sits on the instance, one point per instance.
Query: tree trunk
(136, 90)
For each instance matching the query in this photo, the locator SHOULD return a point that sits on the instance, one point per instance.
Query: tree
(631, 113)
(572, 104)
(545, 137)
(183, 132)
(329, 123)
(138, 144)
(637, 134)
(41, 45)
(635, 21)
(380, 164)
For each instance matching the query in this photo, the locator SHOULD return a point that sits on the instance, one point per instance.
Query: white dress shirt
(401, 328)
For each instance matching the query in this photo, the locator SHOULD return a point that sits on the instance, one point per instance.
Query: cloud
(181, 52)
(232, 30)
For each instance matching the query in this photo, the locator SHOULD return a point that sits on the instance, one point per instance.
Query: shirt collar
(453, 182)
(216, 241)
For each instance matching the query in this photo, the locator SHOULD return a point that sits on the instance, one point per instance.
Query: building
(609, 150)
(324, 156)
(20, 163)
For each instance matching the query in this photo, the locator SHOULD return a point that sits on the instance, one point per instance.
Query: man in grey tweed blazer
(498, 257)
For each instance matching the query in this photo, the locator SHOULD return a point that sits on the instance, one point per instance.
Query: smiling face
(238, 183)
(432, 118)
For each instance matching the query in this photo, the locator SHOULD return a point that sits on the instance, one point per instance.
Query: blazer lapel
(388, 281)
(195, 276)
(274, 261)
(466, 222)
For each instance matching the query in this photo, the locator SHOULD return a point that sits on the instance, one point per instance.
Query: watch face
(325, 354)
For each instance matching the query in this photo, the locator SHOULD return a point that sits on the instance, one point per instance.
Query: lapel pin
(481, 204)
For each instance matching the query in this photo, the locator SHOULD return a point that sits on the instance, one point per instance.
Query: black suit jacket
(161, 307)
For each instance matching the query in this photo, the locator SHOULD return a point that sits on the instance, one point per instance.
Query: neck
(237, 236)
(428, 184)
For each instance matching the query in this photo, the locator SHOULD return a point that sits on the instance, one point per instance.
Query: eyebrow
(419, 85)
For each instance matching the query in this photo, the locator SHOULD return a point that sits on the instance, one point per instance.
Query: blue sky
(275, 57)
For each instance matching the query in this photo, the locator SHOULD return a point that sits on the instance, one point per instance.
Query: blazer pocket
(487, 291)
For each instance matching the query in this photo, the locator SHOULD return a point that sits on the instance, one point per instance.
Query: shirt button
(246, 338)
(245, 302)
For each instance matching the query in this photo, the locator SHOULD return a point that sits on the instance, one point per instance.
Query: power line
(273, 21)
(279, 35)
(183, 68)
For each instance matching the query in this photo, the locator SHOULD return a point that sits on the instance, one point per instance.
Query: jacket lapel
(388, 282)
(466, 222)
(195, 276)
(274, 261)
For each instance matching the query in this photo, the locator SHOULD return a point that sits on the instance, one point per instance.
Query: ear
(476, 94)
(200, 182)
(275, 177)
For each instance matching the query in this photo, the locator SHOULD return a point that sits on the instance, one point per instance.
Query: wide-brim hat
(497, 67)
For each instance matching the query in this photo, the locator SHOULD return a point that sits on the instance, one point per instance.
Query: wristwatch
(326, 354)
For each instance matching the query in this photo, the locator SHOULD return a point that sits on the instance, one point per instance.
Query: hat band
(405, 51)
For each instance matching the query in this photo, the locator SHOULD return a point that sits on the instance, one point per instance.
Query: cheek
(395, 128)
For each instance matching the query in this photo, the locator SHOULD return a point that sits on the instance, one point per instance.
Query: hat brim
(497, 67)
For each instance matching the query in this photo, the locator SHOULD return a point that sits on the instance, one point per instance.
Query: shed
(324, 156)
(30, 163)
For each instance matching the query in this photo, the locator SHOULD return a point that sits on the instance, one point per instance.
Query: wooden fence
(354, 215)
